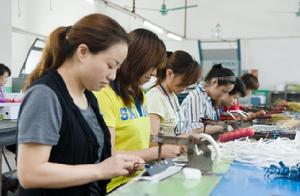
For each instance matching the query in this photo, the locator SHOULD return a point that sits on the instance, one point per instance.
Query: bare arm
(210, 129)
(150, 154)
(37, 172)
(155, 123)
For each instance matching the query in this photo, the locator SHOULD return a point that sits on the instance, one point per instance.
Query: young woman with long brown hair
(124, 104)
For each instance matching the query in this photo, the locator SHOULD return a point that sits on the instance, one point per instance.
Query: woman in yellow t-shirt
(180, 71)
(124, 105)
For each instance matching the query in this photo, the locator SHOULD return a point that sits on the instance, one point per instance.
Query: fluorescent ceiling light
(90, 1)
(153, 27)
(173, 36)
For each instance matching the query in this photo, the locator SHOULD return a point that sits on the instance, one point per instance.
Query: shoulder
(105, 92)
(38, 95)
(154, 92)
(155, 95)
(40, 91)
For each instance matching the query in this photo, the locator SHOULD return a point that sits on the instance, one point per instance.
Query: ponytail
(223, 75)
(97, 31)
(181, 63)
(54, 54)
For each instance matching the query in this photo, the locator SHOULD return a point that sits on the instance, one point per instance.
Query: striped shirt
(195, 106)
(2, 92)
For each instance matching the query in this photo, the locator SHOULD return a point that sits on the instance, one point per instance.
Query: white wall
(277, 60)
(238, 18)
(5, 33)
(245, 19)
(21, 44)
(36, 16)
(251, 21)
(190, 46)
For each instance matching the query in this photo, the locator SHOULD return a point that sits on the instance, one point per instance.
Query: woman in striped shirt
(198, 104)
(229, 100)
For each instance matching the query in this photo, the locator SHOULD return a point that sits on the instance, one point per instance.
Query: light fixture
(218, 31)
(90, 1)
(173, 36)
(146, 22)
(153, 27)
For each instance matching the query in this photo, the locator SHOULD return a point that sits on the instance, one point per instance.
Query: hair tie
(68, 28)
(227, 78)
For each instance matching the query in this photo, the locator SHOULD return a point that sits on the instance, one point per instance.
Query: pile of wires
(261, 153)
(273, 131)
(283, 171)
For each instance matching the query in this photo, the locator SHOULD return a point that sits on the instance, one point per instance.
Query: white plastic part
(214, 144)
(192, 173)
(232, 116)
(240, 112)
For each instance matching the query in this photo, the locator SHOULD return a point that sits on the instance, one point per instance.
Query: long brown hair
(146, 51)
(250, 81)
(181, 63)
(97, 31)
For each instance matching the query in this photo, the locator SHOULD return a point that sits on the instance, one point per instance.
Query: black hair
(224, 75)
(181, 63)
(169, 53)
(250, 81)
(239, 87)
(3, 69)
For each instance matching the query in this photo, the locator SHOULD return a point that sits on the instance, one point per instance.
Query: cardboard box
(10, 110)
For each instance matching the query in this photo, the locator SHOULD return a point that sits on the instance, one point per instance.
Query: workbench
(8, 136)
(227, 179)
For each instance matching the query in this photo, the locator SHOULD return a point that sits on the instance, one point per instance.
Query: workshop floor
(11, 160)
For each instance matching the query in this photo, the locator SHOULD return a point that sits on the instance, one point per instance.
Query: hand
(171, 151)
(119, 165)
(138, 163)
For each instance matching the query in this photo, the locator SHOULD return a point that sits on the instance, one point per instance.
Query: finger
(128, 165)
(180, 152)
(124, 172)
(141, 161)
(184, 148)
(126, 158)
(139, 166)
(131, 172)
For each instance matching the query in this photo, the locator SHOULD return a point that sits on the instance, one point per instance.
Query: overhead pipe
(135, 15)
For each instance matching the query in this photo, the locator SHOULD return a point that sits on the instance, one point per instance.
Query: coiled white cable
(262, 153)
(215, 150)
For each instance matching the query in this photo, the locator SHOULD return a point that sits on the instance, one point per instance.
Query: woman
(251, 82)
(229, 100)
(4, 74)
(199, 102)
(63, 143)
(124, 105)
(180, 71)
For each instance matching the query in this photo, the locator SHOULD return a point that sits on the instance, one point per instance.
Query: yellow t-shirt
(132, 125)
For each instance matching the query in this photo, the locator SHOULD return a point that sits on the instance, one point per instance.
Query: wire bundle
(239, 133)
(262, 153)
(283, 171)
